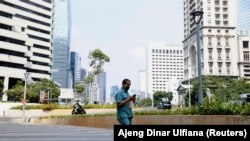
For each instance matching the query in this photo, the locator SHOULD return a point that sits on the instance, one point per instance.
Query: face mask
(126, 88)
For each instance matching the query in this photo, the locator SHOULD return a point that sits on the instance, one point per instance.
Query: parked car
(164, 105)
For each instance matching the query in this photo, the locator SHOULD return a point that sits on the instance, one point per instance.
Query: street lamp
(197, 15)
(26, 75)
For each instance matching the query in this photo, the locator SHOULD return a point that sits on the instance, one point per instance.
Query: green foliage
(79, 88)
(223, 89)
(57, 106)
(158, 95)
(45, 107)
(33, 90)
(97, 106)
(89, 79)
(97, 60)
(145, 102)
(16, 93)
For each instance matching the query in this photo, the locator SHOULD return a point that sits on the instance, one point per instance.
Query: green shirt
(125, 110)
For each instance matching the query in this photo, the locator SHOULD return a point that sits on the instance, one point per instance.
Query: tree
(158, 95)
(33, 90)
(223, 89)
(46, 85)
(79, 88)
(16, 92)
(97, 60)
(145, 102)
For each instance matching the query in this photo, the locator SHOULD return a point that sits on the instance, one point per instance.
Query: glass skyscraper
(75, 65)
(101, 81)
(244, 14)
(61, 46)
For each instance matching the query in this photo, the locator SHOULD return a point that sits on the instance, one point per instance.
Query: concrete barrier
(110, 121)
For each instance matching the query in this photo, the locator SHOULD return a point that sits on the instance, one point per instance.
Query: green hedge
(57, 106)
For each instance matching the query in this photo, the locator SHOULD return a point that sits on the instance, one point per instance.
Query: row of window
(165, 51)
(167, 68)
(167, 55)
(167, 59)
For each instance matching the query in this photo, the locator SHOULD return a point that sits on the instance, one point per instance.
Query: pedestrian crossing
(29, 132)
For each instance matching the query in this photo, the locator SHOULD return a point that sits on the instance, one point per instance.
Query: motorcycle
(80, 110)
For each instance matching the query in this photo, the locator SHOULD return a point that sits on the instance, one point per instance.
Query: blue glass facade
(75, 65)
(61, 46)
(244, 14)
(113, 91)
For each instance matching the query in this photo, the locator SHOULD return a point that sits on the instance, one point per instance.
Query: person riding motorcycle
(77, 106)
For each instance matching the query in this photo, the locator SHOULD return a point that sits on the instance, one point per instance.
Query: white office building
(25, 40)
(244, 53)
(219, 52)
(164, 67)
(142, 84)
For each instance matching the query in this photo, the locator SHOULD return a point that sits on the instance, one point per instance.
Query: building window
(217, 22)
(218, 41)
(210, 51)
(219, 54)
(228, 68)
(227, 54)
(220, 68)
(210, 41)
(227, 41)
(245, 44)
(153, 51)
(211, 68)
(246, 55)
(224, 3)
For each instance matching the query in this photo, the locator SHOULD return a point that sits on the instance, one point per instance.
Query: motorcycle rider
(77, 106)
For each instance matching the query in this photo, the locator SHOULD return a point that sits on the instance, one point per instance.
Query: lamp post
(189, 96)
(26, 75)
(197, 15)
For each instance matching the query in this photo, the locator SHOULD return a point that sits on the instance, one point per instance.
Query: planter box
(110, 121)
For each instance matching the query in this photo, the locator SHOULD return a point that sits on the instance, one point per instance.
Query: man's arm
(121, 102)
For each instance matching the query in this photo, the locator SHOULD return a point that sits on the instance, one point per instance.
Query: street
(28, 132)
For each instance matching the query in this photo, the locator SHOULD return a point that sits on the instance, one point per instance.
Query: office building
(142, 84)
(61, 72)
(101, 81)
(164, 64)
(244, 53)
(243, 15)
(75, 65)
(113, 91)
(219, 52)
(26, 29)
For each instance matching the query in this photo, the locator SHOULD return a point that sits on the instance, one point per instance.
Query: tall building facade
(243, 15)
(75, 65)
(101, 81)
(164, 66)
(142, 84)
(113, 91)
(26, 29)
(244, 53)
(219, 52)
(61, 72)
(83, 74)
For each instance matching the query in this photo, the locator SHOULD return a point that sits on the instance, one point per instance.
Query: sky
(122, 29)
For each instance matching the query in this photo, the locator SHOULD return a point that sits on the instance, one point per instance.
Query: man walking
(123, 99)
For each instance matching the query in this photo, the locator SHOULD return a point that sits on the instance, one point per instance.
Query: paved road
(27, 132)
